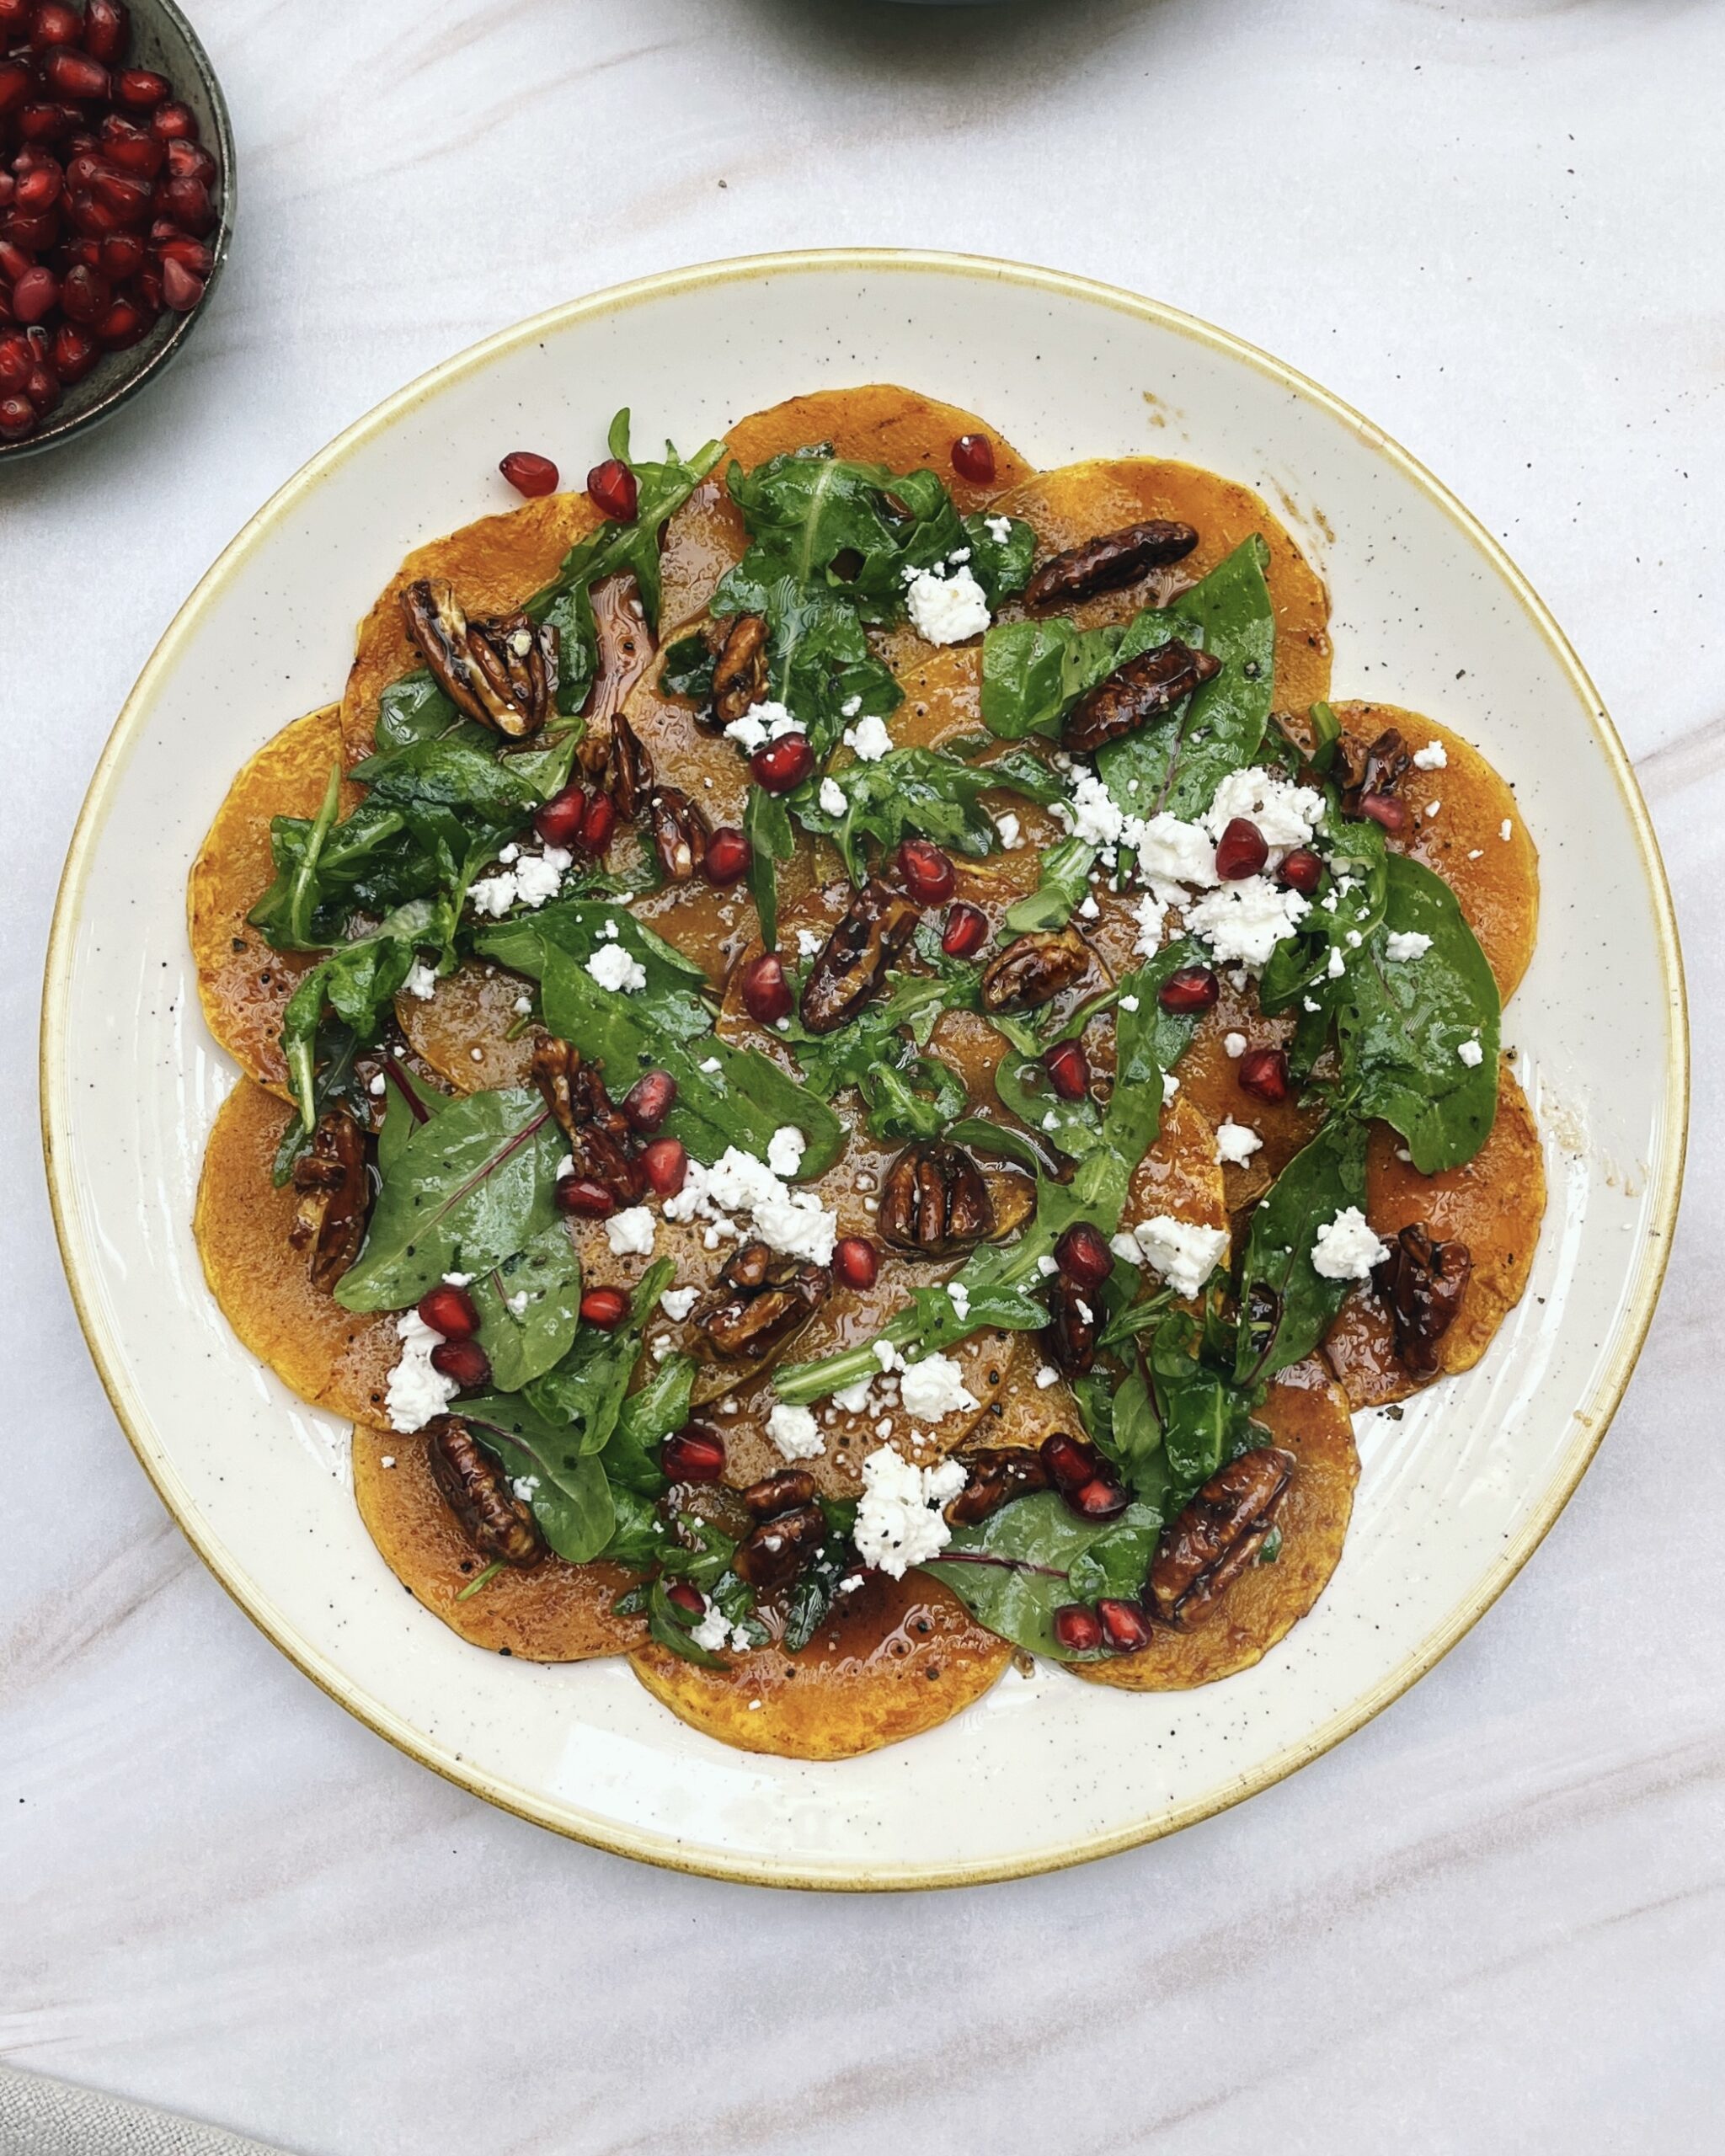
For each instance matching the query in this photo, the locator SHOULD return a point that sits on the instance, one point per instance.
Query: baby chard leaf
(567, 1489)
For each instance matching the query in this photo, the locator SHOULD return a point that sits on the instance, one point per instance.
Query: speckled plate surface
(1044, 1771)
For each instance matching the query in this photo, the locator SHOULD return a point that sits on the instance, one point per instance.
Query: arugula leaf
(688, 667)
(1000, 566)
(1149, 1041)
(831, 525)
(928, 791)
(673, 1627)
(1286, 1306)
(1203, 1417)
(1063, 888)
(1016, 1568)
(523, 1344)
(767, 825)
(819, 663)
(358, 983)
(571, 1499)
(904, 1095)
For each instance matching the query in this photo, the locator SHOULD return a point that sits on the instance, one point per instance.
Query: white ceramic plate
(1045, 1771)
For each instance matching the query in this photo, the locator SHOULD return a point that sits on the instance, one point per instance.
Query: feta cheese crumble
(935, 1388)
(415, 1392)
(1237, 1143)
(421, 981)
(630, 1232)
(1234, 1044)
(832, 797)
(794, 1223)
(1401, 945)
(1471, 1053)
(676, 1303)
(947, 608)
(1007, 826)
(1243, 922)
(795, 1432)
(1431, 758)
(612, 968)
(899, 1522)
(868, 737)
(785, 1149)
(761, 723)
(1347, 1248)
(1286, 814)
(1182, 1252)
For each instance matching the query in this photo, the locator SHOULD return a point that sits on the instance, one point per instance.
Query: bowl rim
(1592, 1415)
(127, 386)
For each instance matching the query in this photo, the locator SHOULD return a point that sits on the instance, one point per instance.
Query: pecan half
(1070, 1335)
(739, 672)
(625, 649)
(335, 1197)
(784, 1493)
(765, 1298)
(1219, 1535)
(779, 1548)
(628, 769)
(1143, 689)
(598, 1134)
(1421, 1284)
(853, 963)
(680, 834)
(495, 1521)
(1380, 771)
(933, 1201)
(502, 674)
(996, 1477)
(1108, 562)
(1034, 969)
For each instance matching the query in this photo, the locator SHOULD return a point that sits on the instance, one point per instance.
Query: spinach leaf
(688, 671)
(660, 1408)
(587, 1387)
(1340, 922)
(673, 1627)
(1001, 565)
(1149, 1041)
(358, 981)
(578, 927)
(544, 1279)
(904, 1095)
(570, 1497)
(1204, 1417)
(928, 791)
(415, 709)
(1286, 1306)
(821, 666)
(767, 825)
(1033, 672)
(830, 525)
(1015, 1569)
(1063, 888)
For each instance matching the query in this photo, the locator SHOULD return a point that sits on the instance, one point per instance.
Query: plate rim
(1592, 1416)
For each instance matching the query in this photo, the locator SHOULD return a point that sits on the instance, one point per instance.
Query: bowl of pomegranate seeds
(116, 205)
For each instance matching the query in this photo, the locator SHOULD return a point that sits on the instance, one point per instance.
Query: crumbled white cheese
(612, 968)
(832, 798)
(959, 1295)
(1128, 1003)
(785, 1149)
(1182, 1252)
(1088, 908)
(676, 1303)
(378, 1086)
(713, 1632)
(1244, 921)
(1176, 852)
(1347, 1248)
(1237, 1143)
(868, 737)
(421, 981)
(935, 1388)
(858, 1399)
(630, 1232)
(1432, 807)
(761, 723)
(1286, 814)
(415, 1392)
(1234, 1044)
(1008, 827)
(1096, 819)
(1401, 945)
(1431, 758)
(539, 876)
(516, 1305)
(1151, 911)
(792, 1222)
(795, 1432)
(999, 529)
(1336, 965)
(523, 1005)
(899, 1522)
(947, 608)
(1171, 1086)
(710, 1064)
(1046, 1374)
(1471, 1053)
(809, 942)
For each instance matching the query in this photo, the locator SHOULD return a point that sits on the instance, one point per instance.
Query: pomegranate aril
(973, 459)
(82, 166)
(54, 22)
(1078, 1629)
(34, 293)
(649, 1101)
(451, 1310)
(1070, 1462)
(965, 932)
(558, 821)
(729, 856)
(190, 160)
(8, 190)
(147, 291)
(132, 148)
(612, 489)
(17, 362)
(1098, 1499)
(40, 189)
(1083, 1256)
(14, 260)
(139, 89)
(34, 233)
(1068, 1068)
(17, 418)
(75, 352)
(186, 202)
(1263, 1072)
(1385, 809)
(72, 74)
(47, 122)
(15, 80)
(579, 1195)
(106, 24)
(926, 873)
(86, 296)
(1124, 1625)
(119, 256)
(1240, 851)
(665, 1165)
(856, 1262)
(527, 473)
(765, 989)
(598, 822)
(43, 390)
(604, 1308)
(1192, 988)
(180, 289)
(687, 1598)
(92, 217)
(1300, 871)
(695, 1454)
(189, 253)
(175, 123)
(781, 765)
(464, 1360)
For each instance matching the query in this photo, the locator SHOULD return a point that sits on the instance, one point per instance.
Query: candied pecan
(1108, 562)
(628, 769)
(1421, 1284)
(495, 1521)
(779, 1548)
(335, 1197)
(1070, 1335)
(934, 1200)
(1143, 689)
(585, 1113)
(1376, 772)
(998, 1475)
(680, 834)
(739, 672)
(853, 963)
(765, 1298)
(782, 1493)
(1202, 1552)
(502, 674)
(625, 649)
(1035, 969)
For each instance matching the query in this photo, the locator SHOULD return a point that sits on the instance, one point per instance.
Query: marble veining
(1493, 1916)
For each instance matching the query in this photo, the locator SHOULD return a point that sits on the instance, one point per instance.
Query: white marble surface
(1493, 1918)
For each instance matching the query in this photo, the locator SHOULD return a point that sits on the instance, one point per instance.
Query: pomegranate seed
(767, 993)
(612, 490)
(1264, 1073)
(528, 474)
(17, 418)
(558, 821)
(47, 122)
(13, 261)
(604, 1308)
(8, 190)
(133, 149)
(180, 289)
(36, 293)
(147, 291)
(464, 1360)
(1193, 988)
(186, 202)
(120, 256)
(17, 361)
(926, 873)
(686, 1597)
(105, 26)
(973, 459)
(189, 253)
(72, 74)
(54, 24)
(581, 1195)
(1240, 851)
(1078, 1629)
(665, 1165)
(649, 1101)
(1385, 809)
(1083, 1256)
(695, 1454)
(1068, 1068)
(123, 325)
(729, 856)
(1300, 871)
(43, 390)
(1098, 1499)
(966, 930)
(75, 352)
(139, 89)
(598, 822)
(450, 1311)
(86, 296)
(1070, 1462)
(190, 160)
(856, 1262)
(175, 123)
(783, 764)
(1123, 1624)
(94, 219)
(38, 190)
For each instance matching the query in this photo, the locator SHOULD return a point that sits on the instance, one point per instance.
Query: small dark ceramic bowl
(161, 39)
